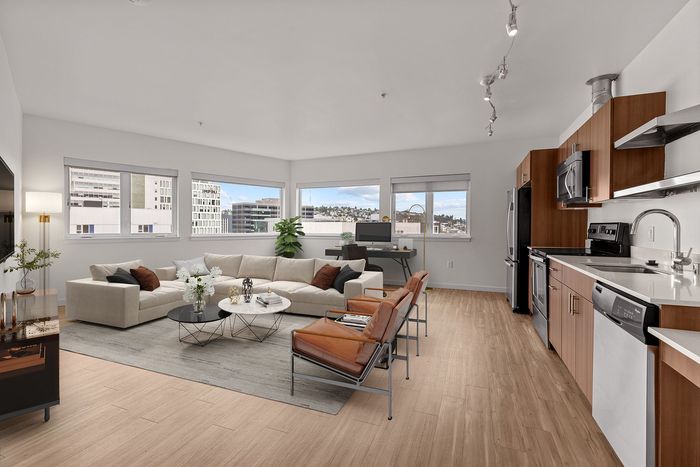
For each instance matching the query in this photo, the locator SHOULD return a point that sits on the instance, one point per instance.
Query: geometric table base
(197, 335)
(247, 326)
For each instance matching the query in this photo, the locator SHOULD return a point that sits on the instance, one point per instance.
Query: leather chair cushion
(346, 355)
(362, 306)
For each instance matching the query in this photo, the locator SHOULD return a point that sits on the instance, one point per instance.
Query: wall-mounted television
(373, 231)
(7, 211)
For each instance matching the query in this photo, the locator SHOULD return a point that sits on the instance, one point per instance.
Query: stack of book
(269, 298)
(358, 321)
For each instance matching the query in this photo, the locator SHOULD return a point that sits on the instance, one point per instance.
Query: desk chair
(360, 252)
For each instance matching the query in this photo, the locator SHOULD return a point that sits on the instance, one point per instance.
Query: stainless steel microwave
(573, 178)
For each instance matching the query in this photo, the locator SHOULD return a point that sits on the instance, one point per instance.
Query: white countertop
(686, 342)
(660, 289)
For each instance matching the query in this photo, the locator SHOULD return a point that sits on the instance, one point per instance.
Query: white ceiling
(298, 79)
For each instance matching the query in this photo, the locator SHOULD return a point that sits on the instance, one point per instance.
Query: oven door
(539, 285)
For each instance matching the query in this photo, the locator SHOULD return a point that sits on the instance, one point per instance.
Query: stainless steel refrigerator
(517, 241)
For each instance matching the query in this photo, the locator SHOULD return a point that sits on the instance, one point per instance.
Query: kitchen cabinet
(571, 324)
(555, 317)
(523, 172)
(611, 169)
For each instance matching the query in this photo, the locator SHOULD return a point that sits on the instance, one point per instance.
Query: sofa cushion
(345, 274)
(122, 277)
(325, 276)
(222, 287)
(99, 272)
(260, 267)
(159, 296)
(147, 278)
(311, 294)
(356, 264)
(229, 264)
(282, 288)
(176, 284)
(195, 266)
(295, 270)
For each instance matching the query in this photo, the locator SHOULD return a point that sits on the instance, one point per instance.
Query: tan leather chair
(350, 353)
(417, 284)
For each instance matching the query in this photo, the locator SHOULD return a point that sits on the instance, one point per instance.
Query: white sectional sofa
(95, 300)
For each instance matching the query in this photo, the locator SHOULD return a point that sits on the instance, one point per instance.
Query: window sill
(234, 237)
(446, 238)
(110, 239)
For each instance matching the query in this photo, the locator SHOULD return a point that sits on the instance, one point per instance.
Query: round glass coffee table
(245, 314)
(193, 324)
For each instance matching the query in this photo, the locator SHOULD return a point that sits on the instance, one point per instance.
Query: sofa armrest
(368, 279)
(102, 302)
(168, 273)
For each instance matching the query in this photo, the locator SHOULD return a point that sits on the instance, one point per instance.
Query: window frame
(207, 177)
(125, 171)
(430, 208)
(334, 184)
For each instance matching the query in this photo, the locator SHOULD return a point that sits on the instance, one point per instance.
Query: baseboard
(448, 285)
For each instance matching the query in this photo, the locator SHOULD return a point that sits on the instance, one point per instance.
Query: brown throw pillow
(147, 278)
(325, 276)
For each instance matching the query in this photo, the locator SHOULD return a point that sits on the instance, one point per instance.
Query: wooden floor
(483, 392)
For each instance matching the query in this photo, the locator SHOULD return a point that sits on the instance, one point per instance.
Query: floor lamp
(44, 204)
(425, 228)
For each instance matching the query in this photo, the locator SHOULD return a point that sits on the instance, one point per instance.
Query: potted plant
(28, 260)
(346, 238)
(287, 243)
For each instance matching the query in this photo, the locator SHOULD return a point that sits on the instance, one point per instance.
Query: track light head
(489, 130)
(502, 70)
(512, 26)
(487, 94)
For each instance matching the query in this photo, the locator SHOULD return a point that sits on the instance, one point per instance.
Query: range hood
(662, 188)
(662, 130)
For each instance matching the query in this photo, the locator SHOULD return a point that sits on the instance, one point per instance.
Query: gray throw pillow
(195, 266)
(122, 277)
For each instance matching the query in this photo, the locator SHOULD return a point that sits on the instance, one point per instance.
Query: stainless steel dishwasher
(624, 355)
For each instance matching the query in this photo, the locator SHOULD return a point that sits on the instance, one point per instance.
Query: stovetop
(563, 251)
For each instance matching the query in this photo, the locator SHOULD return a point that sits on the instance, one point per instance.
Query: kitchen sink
(628, 268)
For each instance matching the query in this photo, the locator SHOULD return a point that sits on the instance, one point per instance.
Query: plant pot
(25, 286)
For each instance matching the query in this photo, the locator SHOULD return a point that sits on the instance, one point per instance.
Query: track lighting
(512, 26)
(487, 94)
(493, 113)
(502, 69)
(489, 130)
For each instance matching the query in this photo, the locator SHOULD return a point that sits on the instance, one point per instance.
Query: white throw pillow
(260, 267)
(229, 264)
(99, 272)
(294, 270)
(195, 266)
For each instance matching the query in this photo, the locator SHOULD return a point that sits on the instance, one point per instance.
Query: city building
(94, 201)
(206, 207)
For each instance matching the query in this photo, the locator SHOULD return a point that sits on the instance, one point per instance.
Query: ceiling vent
(601, 88)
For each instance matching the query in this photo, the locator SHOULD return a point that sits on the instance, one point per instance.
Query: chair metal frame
(356, 382)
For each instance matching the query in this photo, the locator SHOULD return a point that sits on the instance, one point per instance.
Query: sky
(446, 202)
(231, 193)
(351, 196)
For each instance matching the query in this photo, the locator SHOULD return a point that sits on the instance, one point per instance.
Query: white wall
(671, 63)
(10, 146)
(477, 264)
(47, 142)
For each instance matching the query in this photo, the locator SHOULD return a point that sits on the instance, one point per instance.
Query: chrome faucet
(679, 259)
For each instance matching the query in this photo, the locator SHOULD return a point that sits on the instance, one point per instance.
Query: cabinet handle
(552, 287)
(570, 302)
(573, 304)
(553, 269)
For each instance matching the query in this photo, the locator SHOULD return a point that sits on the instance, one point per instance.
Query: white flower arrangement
(198, 287)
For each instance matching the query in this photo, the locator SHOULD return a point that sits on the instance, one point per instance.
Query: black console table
(29, 331)
(400, 256)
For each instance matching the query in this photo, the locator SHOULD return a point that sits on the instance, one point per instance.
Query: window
(336, 209)
(444, 198)
(96, 201)
(226, 206)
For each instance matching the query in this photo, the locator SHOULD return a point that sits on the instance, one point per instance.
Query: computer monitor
(373, 232)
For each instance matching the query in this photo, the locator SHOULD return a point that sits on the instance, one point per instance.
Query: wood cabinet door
(519, 176)
(555, 317)
(601, 150)
(583, 317)
(522, 174)
(568, 330)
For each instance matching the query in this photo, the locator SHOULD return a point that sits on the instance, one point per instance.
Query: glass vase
(25, 285)
(199, 304)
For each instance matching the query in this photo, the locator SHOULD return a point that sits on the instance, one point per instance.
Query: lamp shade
(43, 202)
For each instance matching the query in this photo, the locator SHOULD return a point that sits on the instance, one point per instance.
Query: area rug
(256, 368)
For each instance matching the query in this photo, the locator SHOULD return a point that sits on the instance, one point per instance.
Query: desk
(400, 256)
